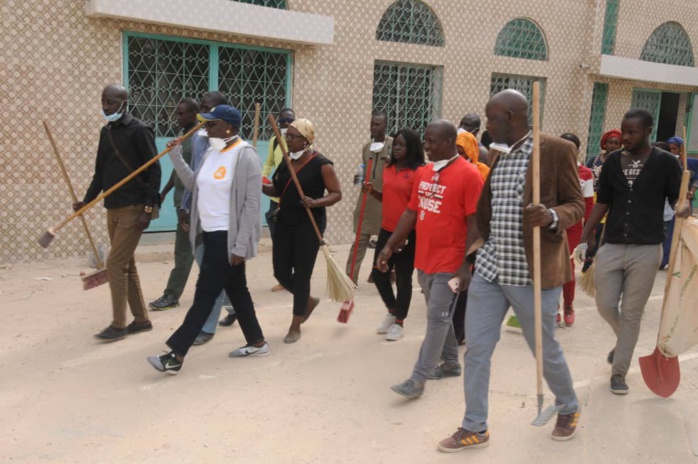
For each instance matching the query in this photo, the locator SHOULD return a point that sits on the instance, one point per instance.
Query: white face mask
(202, 132)
(114, 116)
(219, 144)
(460, 130)
(283, 131)
(506, 149)
(376, 147)
(439, 165)
(296, 154)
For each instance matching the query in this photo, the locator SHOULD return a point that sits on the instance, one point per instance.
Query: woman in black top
(295, 243)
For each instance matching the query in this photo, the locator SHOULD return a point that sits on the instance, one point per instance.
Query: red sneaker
(569, 315)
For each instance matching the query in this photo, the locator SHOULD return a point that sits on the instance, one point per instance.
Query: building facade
(332, 61)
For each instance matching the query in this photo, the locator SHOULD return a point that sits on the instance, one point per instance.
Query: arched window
(280, 4)
(410, 21)
(669, 44)
(521, 38)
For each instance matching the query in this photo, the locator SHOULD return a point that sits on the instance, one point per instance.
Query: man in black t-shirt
(632, 188)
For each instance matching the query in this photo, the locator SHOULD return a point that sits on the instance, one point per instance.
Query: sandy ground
(65, 398)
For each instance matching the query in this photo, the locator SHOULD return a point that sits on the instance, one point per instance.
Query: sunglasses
(285, 120)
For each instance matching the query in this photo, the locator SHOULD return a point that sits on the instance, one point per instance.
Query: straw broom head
(339, 286)
(587, 282)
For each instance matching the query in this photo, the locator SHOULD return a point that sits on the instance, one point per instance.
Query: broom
(48, 236)
(98, 277)
(339, 286)
(348, 306)
(588, 283)
(255, 132)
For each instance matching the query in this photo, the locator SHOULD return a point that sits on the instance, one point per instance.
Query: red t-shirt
(586, 183)
(397, 189)
(442, 200)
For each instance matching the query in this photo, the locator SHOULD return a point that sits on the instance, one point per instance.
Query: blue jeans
(487, 305)
(223, 300)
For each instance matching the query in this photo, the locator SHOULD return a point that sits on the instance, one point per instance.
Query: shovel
(661, 373)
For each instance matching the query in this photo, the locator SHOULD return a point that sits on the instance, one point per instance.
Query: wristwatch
(148, 209)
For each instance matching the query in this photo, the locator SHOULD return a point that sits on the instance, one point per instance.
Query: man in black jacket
(632, 188)
(125, 144)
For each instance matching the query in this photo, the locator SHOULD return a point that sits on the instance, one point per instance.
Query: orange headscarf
(468, 143)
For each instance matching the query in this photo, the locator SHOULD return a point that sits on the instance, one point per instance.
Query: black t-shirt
(291, 210)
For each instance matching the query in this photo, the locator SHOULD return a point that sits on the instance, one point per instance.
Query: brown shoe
(312, 303)
(566, 426)
(278, 288)
(136, 327)
(464, 439)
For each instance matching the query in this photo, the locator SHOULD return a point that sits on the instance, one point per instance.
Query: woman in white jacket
(225, 215)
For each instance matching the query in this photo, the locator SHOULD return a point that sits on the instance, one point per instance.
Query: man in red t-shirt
(442, 208)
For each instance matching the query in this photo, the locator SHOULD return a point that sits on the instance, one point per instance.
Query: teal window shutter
(597, 118)
(610, 26)
(410, 21)
(669, 44)
(521, 38)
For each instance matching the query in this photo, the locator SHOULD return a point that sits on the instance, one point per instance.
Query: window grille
(409, 94)
(610, 26)
(669, 44)
(162, 71)
(651, 101)
(521, 38)
(280, 4)
(523, 84)
(410, 21)
(597, 118)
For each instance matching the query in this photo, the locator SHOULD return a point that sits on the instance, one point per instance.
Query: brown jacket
(559, 191)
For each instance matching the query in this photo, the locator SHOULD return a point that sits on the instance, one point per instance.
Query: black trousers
(271, 220)
(459, 316)
(403, 263)
(294, 254)
(217, 274)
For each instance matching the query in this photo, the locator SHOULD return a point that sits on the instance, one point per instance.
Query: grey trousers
(624, 276)
(440, 340)
(360, 254)
(488, 303)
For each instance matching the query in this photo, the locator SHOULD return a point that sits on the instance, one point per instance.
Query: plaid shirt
(503, 257)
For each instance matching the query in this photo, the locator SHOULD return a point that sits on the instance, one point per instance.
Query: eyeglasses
(284, 120)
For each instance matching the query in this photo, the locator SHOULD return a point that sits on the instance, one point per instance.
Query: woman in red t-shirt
(399, 175)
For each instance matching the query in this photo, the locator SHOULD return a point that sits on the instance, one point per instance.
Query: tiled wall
(54, 62)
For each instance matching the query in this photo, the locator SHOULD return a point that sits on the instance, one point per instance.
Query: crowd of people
(464, 221)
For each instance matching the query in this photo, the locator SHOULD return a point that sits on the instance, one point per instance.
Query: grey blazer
(245, 220)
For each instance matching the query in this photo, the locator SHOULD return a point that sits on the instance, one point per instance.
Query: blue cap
(226, 113)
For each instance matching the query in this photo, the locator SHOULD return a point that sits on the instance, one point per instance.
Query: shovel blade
(545, 415)
(661, 374)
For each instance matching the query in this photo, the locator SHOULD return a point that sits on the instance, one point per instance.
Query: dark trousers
(666, 246)
(459, 316)
(271, 223)
(403, 263)
(217, 274)
(183, 260)
(294, 253)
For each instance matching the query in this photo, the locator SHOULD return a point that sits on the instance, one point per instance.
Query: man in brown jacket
(505, 219)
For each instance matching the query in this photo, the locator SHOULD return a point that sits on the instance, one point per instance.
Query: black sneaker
(618, 385)
(166, 363)
(443, 371)
(228, 320)
(164, 302)
(136, 327)
(202, 338)
(112, 334)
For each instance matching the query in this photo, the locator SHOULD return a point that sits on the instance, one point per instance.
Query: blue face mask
(114, 116)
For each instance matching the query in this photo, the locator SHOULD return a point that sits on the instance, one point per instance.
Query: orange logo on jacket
(220, 173)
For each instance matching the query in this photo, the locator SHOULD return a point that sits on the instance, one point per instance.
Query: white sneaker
(250, 350)
(386, 324)
(394, 333)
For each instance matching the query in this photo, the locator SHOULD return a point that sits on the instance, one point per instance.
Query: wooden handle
(364, 197)
(100, 265)
(537, 284)
(678, 222)
(287, 159)
(255, 133)
(124, 180)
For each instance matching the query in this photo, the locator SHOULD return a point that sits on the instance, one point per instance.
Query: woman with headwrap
(295, 243)
(675, 146)
(467, 146)
(610, 142)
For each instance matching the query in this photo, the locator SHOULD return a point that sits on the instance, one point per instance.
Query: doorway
(664, 107)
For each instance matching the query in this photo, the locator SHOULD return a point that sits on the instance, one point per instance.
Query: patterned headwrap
(306, 128)
(678, 141)
(613, 133)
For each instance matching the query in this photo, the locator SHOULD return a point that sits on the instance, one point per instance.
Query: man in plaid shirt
(506, 218)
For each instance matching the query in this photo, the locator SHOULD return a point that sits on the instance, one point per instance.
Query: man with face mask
(125, 144)
(378, 151)
(275, 157)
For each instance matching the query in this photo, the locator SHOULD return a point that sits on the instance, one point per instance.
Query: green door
(159, 71)
(651, 101)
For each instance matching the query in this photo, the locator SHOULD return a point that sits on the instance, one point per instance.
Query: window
(610, 26)
(521, 38)
(669, 44)
(523, 84)
(597, 118)
(649, 100)
(409, 94)
(410, 21)
(162, 71)
(280, 4)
